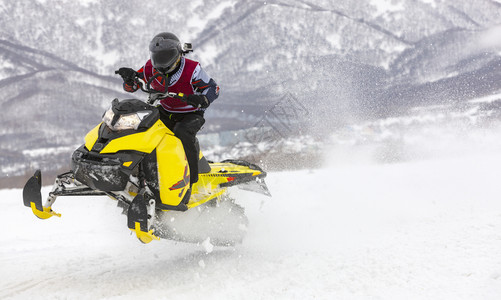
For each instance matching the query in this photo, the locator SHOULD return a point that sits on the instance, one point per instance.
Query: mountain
(344, 61)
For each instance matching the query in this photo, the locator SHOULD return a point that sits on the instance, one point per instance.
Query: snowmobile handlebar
(155, 95)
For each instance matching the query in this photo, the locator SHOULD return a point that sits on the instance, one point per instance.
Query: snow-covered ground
(415, 230)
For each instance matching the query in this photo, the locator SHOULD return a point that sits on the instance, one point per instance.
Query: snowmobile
(133, 158)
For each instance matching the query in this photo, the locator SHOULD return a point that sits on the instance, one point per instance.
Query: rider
(184, 117)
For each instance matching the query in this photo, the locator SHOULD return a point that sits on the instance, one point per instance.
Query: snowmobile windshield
(126, 121)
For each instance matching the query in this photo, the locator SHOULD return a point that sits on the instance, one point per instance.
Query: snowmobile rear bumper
(253, 182)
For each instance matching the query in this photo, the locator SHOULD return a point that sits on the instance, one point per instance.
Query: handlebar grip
(179, 96)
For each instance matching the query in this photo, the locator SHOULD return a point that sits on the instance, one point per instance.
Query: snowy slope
(415, 230)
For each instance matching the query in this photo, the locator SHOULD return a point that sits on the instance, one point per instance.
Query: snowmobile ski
(140, 216)
(32, 197)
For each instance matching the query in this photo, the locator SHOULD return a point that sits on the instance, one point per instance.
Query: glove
(128, 75)
(197, 101)
(131, 88)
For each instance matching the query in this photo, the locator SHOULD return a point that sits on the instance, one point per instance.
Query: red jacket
(189, 79)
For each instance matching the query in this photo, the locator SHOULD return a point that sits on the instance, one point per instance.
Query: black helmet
(166, 51)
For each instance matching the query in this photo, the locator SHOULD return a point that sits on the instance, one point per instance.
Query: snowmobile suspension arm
(65, 185)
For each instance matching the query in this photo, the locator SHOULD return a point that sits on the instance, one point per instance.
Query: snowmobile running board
(32, 195)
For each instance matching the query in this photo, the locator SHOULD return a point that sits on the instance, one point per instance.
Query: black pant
(185, 126)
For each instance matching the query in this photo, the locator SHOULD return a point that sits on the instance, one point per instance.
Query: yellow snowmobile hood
(145, 141)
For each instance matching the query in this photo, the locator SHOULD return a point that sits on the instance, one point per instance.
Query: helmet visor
(165, 61)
